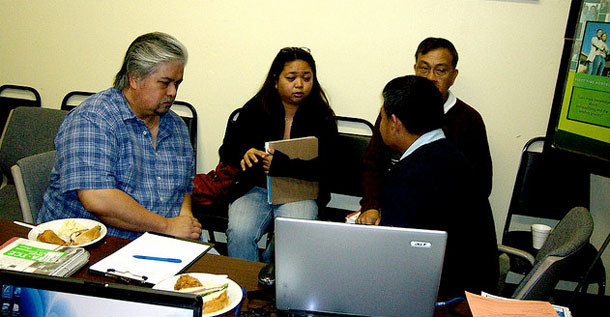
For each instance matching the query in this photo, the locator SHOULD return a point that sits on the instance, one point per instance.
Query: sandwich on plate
(214, 294)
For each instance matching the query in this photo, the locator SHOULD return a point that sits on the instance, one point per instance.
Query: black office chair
(215, 217)
(346, 163)
(73, 99)
(549, 187)
(188, 113)
(13, 96)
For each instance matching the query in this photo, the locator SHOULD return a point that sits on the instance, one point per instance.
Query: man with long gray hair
(123, 158)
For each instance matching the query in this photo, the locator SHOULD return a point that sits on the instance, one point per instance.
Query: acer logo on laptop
(421, 244)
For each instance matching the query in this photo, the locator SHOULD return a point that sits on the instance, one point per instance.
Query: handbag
(217, 187)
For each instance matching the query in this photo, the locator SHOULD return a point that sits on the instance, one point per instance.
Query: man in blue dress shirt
(123, 158)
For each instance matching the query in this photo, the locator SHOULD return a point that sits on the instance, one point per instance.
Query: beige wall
(509, 56)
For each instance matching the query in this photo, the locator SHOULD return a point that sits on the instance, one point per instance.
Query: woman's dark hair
(269, 95)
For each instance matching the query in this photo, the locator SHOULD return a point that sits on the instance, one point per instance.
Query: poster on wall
(583, 122)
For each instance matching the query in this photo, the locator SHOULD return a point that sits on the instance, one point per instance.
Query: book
(19, 254)
(151, 258)
(280, 189)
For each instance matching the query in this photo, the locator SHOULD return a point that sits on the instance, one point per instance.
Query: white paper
(351, 218)
(124, 264)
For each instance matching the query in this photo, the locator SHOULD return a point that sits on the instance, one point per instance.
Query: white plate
(233, 291)
(55, 225)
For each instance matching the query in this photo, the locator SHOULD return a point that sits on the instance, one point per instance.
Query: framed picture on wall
(579, 125)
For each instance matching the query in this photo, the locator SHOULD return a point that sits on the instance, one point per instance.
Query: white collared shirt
(451, 100)
(424, 139)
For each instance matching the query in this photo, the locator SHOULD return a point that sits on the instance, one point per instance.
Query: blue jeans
(249, 218)
(597, 66)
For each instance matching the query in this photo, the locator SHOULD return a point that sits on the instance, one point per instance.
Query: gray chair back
(31, 175)
(28, 131)
(553, 259)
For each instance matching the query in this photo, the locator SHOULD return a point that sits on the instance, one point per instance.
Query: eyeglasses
(439, 71)
(295, 49)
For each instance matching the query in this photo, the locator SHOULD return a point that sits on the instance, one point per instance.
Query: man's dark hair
(433, 43)
(415, 101)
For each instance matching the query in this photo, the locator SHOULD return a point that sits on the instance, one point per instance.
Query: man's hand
(183, 227)
(369, 217)
(251, 158)
(114, 207)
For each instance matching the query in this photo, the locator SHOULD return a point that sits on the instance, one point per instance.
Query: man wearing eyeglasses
(435, 59)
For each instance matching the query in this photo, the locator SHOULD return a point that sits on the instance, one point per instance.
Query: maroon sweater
(462, 125)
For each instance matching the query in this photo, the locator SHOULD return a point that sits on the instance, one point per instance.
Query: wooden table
(244, 273)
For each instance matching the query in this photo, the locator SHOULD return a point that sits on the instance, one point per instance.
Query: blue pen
(154, 258)
(243, 295)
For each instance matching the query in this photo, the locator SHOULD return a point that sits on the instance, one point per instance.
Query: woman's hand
(251, 158)
(267, 160)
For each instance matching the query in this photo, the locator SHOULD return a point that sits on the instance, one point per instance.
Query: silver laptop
(27, 294)
(337, 268)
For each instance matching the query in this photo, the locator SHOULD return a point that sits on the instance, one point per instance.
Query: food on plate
(49, 236)
(214, 294)
(87, 236)
(68, 227)
(71, 233)
(186, 281)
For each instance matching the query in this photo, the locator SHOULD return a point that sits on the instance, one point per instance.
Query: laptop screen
(40, 295)
(328, 267)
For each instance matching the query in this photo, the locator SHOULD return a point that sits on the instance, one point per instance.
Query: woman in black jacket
(290, 104)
